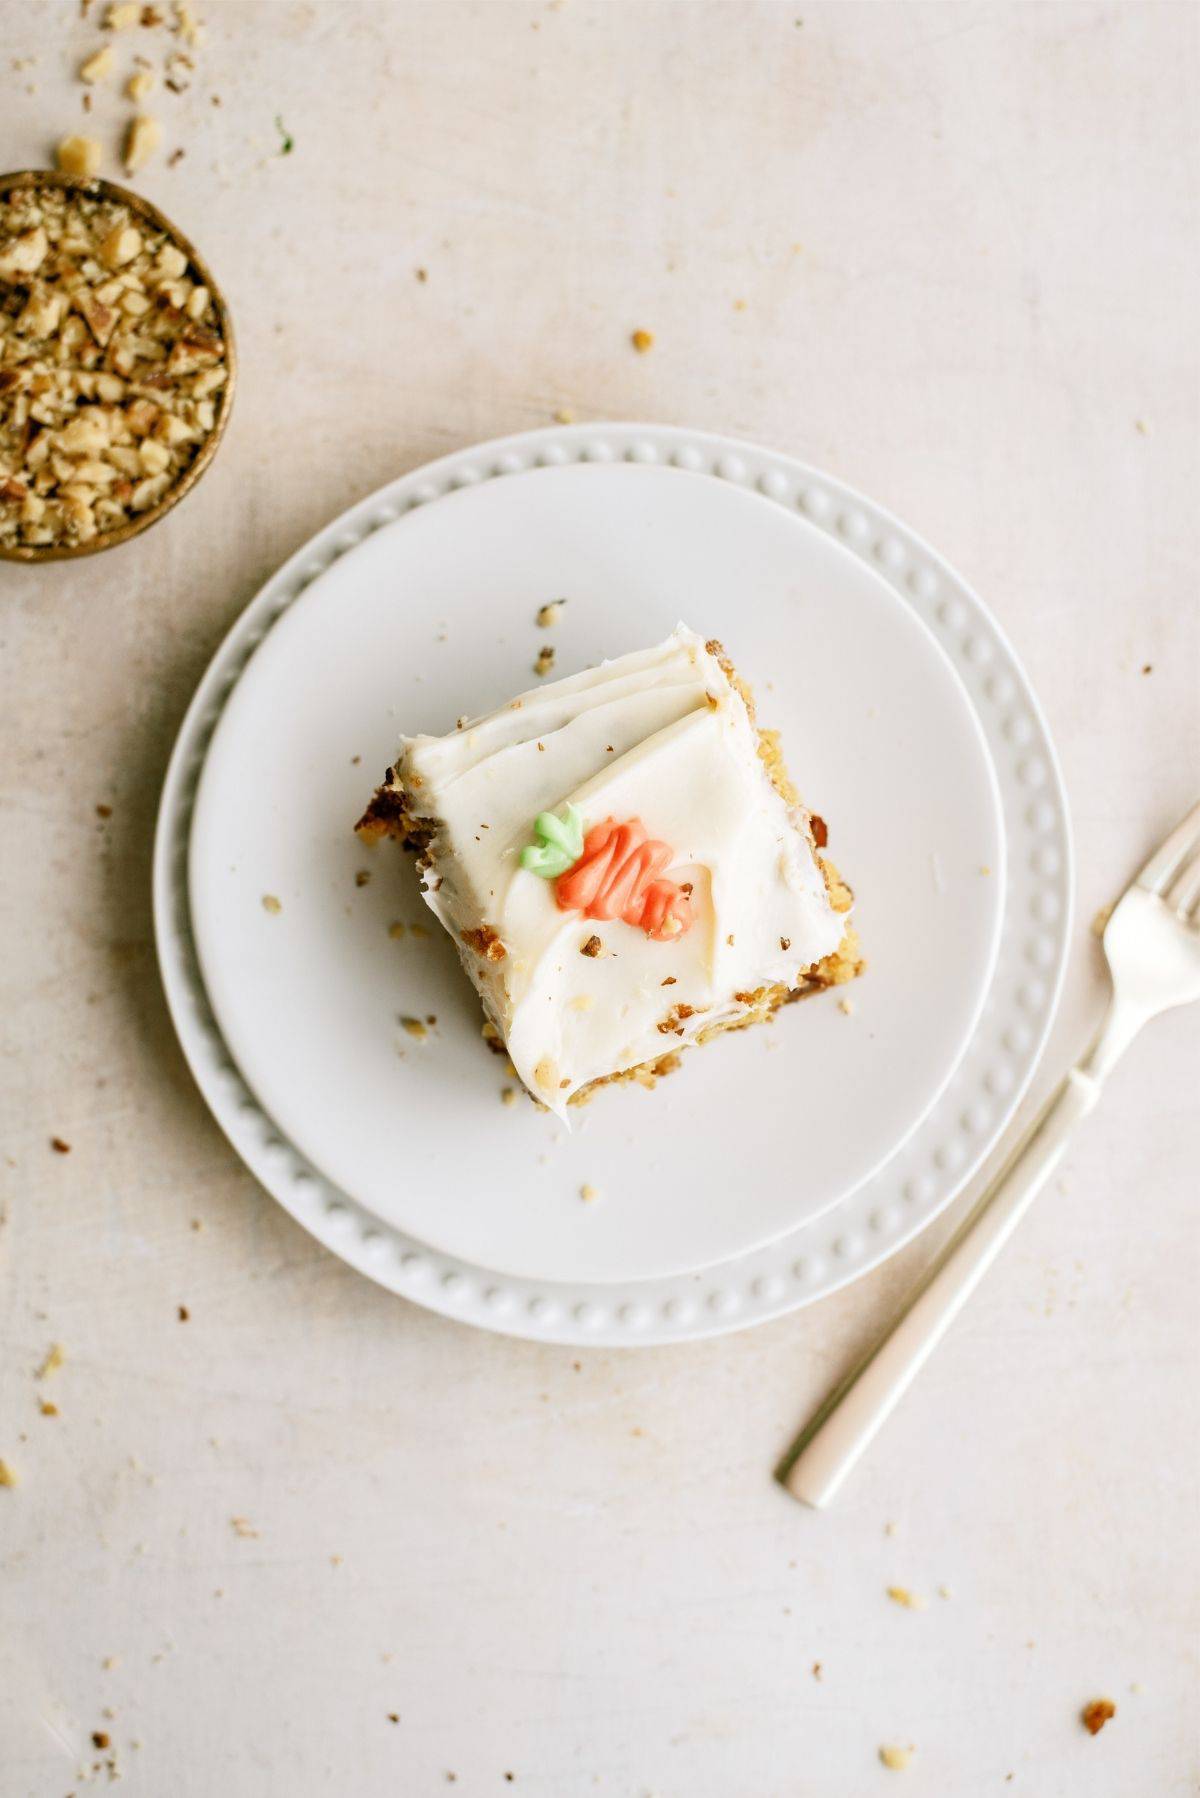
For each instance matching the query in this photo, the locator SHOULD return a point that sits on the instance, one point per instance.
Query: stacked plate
(776, 1164)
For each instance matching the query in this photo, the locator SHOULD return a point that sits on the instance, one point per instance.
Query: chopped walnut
(642, 341)
(140, 83)
(141, 141)
(592, 947)
(1095, 1715)
(112, 372)
(78, 156)
(545, 660)
(550, 613)
(122, 17)
(896, 1758)
(98, 66)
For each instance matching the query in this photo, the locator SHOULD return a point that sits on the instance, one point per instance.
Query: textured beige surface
(965, 238)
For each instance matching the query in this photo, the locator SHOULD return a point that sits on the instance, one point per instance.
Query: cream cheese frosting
(661, 735)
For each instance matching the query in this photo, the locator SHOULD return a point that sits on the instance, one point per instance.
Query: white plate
(326, 959)
(434, 617)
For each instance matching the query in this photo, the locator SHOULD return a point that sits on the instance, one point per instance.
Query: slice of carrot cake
(623, 864)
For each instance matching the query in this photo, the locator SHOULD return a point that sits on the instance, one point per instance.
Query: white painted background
(966, 238)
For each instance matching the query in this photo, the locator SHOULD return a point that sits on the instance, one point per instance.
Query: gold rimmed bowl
(221, 322)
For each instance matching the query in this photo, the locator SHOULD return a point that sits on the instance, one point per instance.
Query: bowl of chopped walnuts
(117, 366)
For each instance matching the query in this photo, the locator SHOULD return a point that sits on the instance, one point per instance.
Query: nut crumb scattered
(98, 66)
(141, 141)
(545, 659)
(912, 1601)
(588, 1193)
(362, 878)
(109, 1662)
(241, 1526)
(549, 614)
(140, 83)
(846, 1007)
(564, 417)
(1147, 667)
(508, 1095)
(100, 1738)
(104, 811)
(53, 1359)
(642, 341)
(8, 1475)
(896, 1758)
(79, 156)
(593, 947)
(271, 903)
(415, 1028)
(46, 1408)
(184, 1314)
(816, 1670)
(122, 17)
(59, 1146)
(1095, 1715)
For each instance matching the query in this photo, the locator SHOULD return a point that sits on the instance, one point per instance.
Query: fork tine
(1184, 890)
(1171, 853)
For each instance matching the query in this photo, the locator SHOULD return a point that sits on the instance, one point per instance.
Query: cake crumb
(642, 341)
(785, 943)
(508, 1095)
(47, 1408)
(362, 877)
(53, 1359)
(100, 1738)
(241, 1526)
(896, 1758)
(588, 1193)
(911, 1601)
(564, 417)
(59, 1146)
(184, 1314)
(1147, 667)
(549, 614)
(544, 661)
(846, 1007)
(414, 1027)
(816, 1670)
(593, 947)
(8, 1475)
(271, 903)
(1095, 1715)
(669, 981)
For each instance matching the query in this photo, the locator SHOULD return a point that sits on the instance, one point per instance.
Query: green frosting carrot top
(559, 845)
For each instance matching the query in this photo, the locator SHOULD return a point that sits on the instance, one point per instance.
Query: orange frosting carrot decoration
(619, 875)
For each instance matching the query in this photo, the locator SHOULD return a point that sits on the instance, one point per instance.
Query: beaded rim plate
(935, 1162)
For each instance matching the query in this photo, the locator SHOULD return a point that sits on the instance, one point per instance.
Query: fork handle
(852, 1414)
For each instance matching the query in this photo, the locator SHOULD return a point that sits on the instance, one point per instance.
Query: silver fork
(1152, 941)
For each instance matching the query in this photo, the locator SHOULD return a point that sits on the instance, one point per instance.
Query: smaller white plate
(432, 617)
